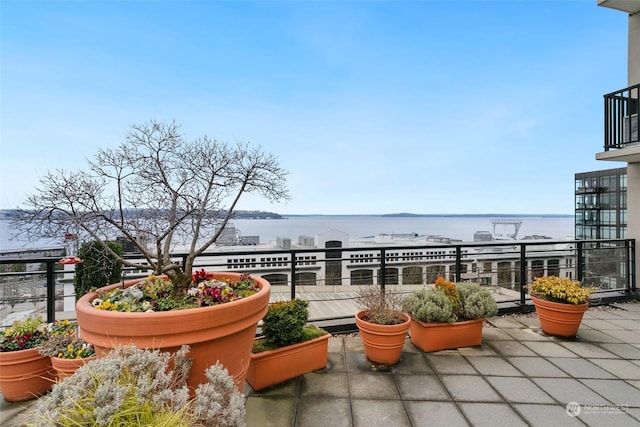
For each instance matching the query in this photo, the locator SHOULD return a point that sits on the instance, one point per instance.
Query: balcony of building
(629, 6)
(621, 137)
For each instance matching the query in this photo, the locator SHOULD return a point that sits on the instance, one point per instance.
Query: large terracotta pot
(382, 343)
(223, 332)
(66, 367)
(275, 366)
(25, 374)
(562, 320)
(443, 336)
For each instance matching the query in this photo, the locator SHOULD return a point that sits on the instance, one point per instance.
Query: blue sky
(372, 106)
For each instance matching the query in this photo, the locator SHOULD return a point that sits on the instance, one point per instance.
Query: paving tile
(372, 386)
(600, 324)
(630, 324)
(353, 344)
(585, 349)
(269, 411)
(626, 351)
(596, 336)
(580, 368)
(620, 368)
(326, 385)
(491, 415)
(450, 364)
(336, 345)
(602, 417)
(567, 390)
(549, 349)
(472, 388)
(421, 387)
(423, 413)
(336, 362)
(323, 412)
(383, 413)
(289, 388)
(520, 390)
(524, 335)
(536, 367)
(480, 350)
(408, 347)
(412, 363)
(357, 362)
(547, 415)
(630, 337)
(511, 348)
(504, 322)
(617, 392)
(602, 314)
(493, 366)
(492, 334)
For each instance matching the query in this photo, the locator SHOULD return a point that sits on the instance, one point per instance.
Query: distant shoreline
(412, 215)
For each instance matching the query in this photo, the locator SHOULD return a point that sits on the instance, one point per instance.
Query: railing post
(51, 291)
(523, 275)
(458, 263)
(632, 265)
(579, 261)
(293, 275)
(383, 269)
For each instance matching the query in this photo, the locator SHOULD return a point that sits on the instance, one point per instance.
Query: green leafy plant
(447, 302)
(384, 307)
(562, 290)
(98, 268)
(133, 387)
(285, 323)
(24, 334)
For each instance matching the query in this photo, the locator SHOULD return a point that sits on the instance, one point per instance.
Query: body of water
(454, 227)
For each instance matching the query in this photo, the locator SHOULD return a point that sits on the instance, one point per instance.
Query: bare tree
(156, 190)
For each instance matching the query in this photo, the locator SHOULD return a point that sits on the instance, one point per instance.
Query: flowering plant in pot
(132, 386)
(24, 372)
(560, 304)
(67, 353)
(382, 323)
(448, 315)
(288, 346)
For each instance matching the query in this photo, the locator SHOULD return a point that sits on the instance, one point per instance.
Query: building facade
(601, 204)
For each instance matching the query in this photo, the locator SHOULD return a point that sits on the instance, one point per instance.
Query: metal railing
(621, 118)
(333, 275)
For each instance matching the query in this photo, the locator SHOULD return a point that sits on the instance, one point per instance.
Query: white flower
(96, 302)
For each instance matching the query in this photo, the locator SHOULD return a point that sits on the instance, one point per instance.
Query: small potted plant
(382, 323)
(24, 372)
(448, 315)
(288, 347)
(560, 304)
(67, 354)
(132, 386)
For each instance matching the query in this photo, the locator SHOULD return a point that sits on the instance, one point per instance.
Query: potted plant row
(560, 304)
(288, 346)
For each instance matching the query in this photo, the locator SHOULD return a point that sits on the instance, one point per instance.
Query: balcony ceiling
(630, 154)
(629, 6)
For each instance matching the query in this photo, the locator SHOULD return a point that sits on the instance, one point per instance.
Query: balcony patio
(518, 376)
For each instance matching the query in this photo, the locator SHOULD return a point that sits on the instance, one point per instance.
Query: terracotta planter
(562, 320)
(382, 343)
(25, 374)
(443, 336)
(275, 366)
(66, 367)
(223, 332)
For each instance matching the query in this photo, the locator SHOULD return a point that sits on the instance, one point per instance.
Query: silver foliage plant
(103, 391)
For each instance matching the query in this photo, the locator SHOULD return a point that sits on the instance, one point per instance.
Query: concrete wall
(634, 49)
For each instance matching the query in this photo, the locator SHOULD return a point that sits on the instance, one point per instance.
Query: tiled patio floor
(518, 376)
